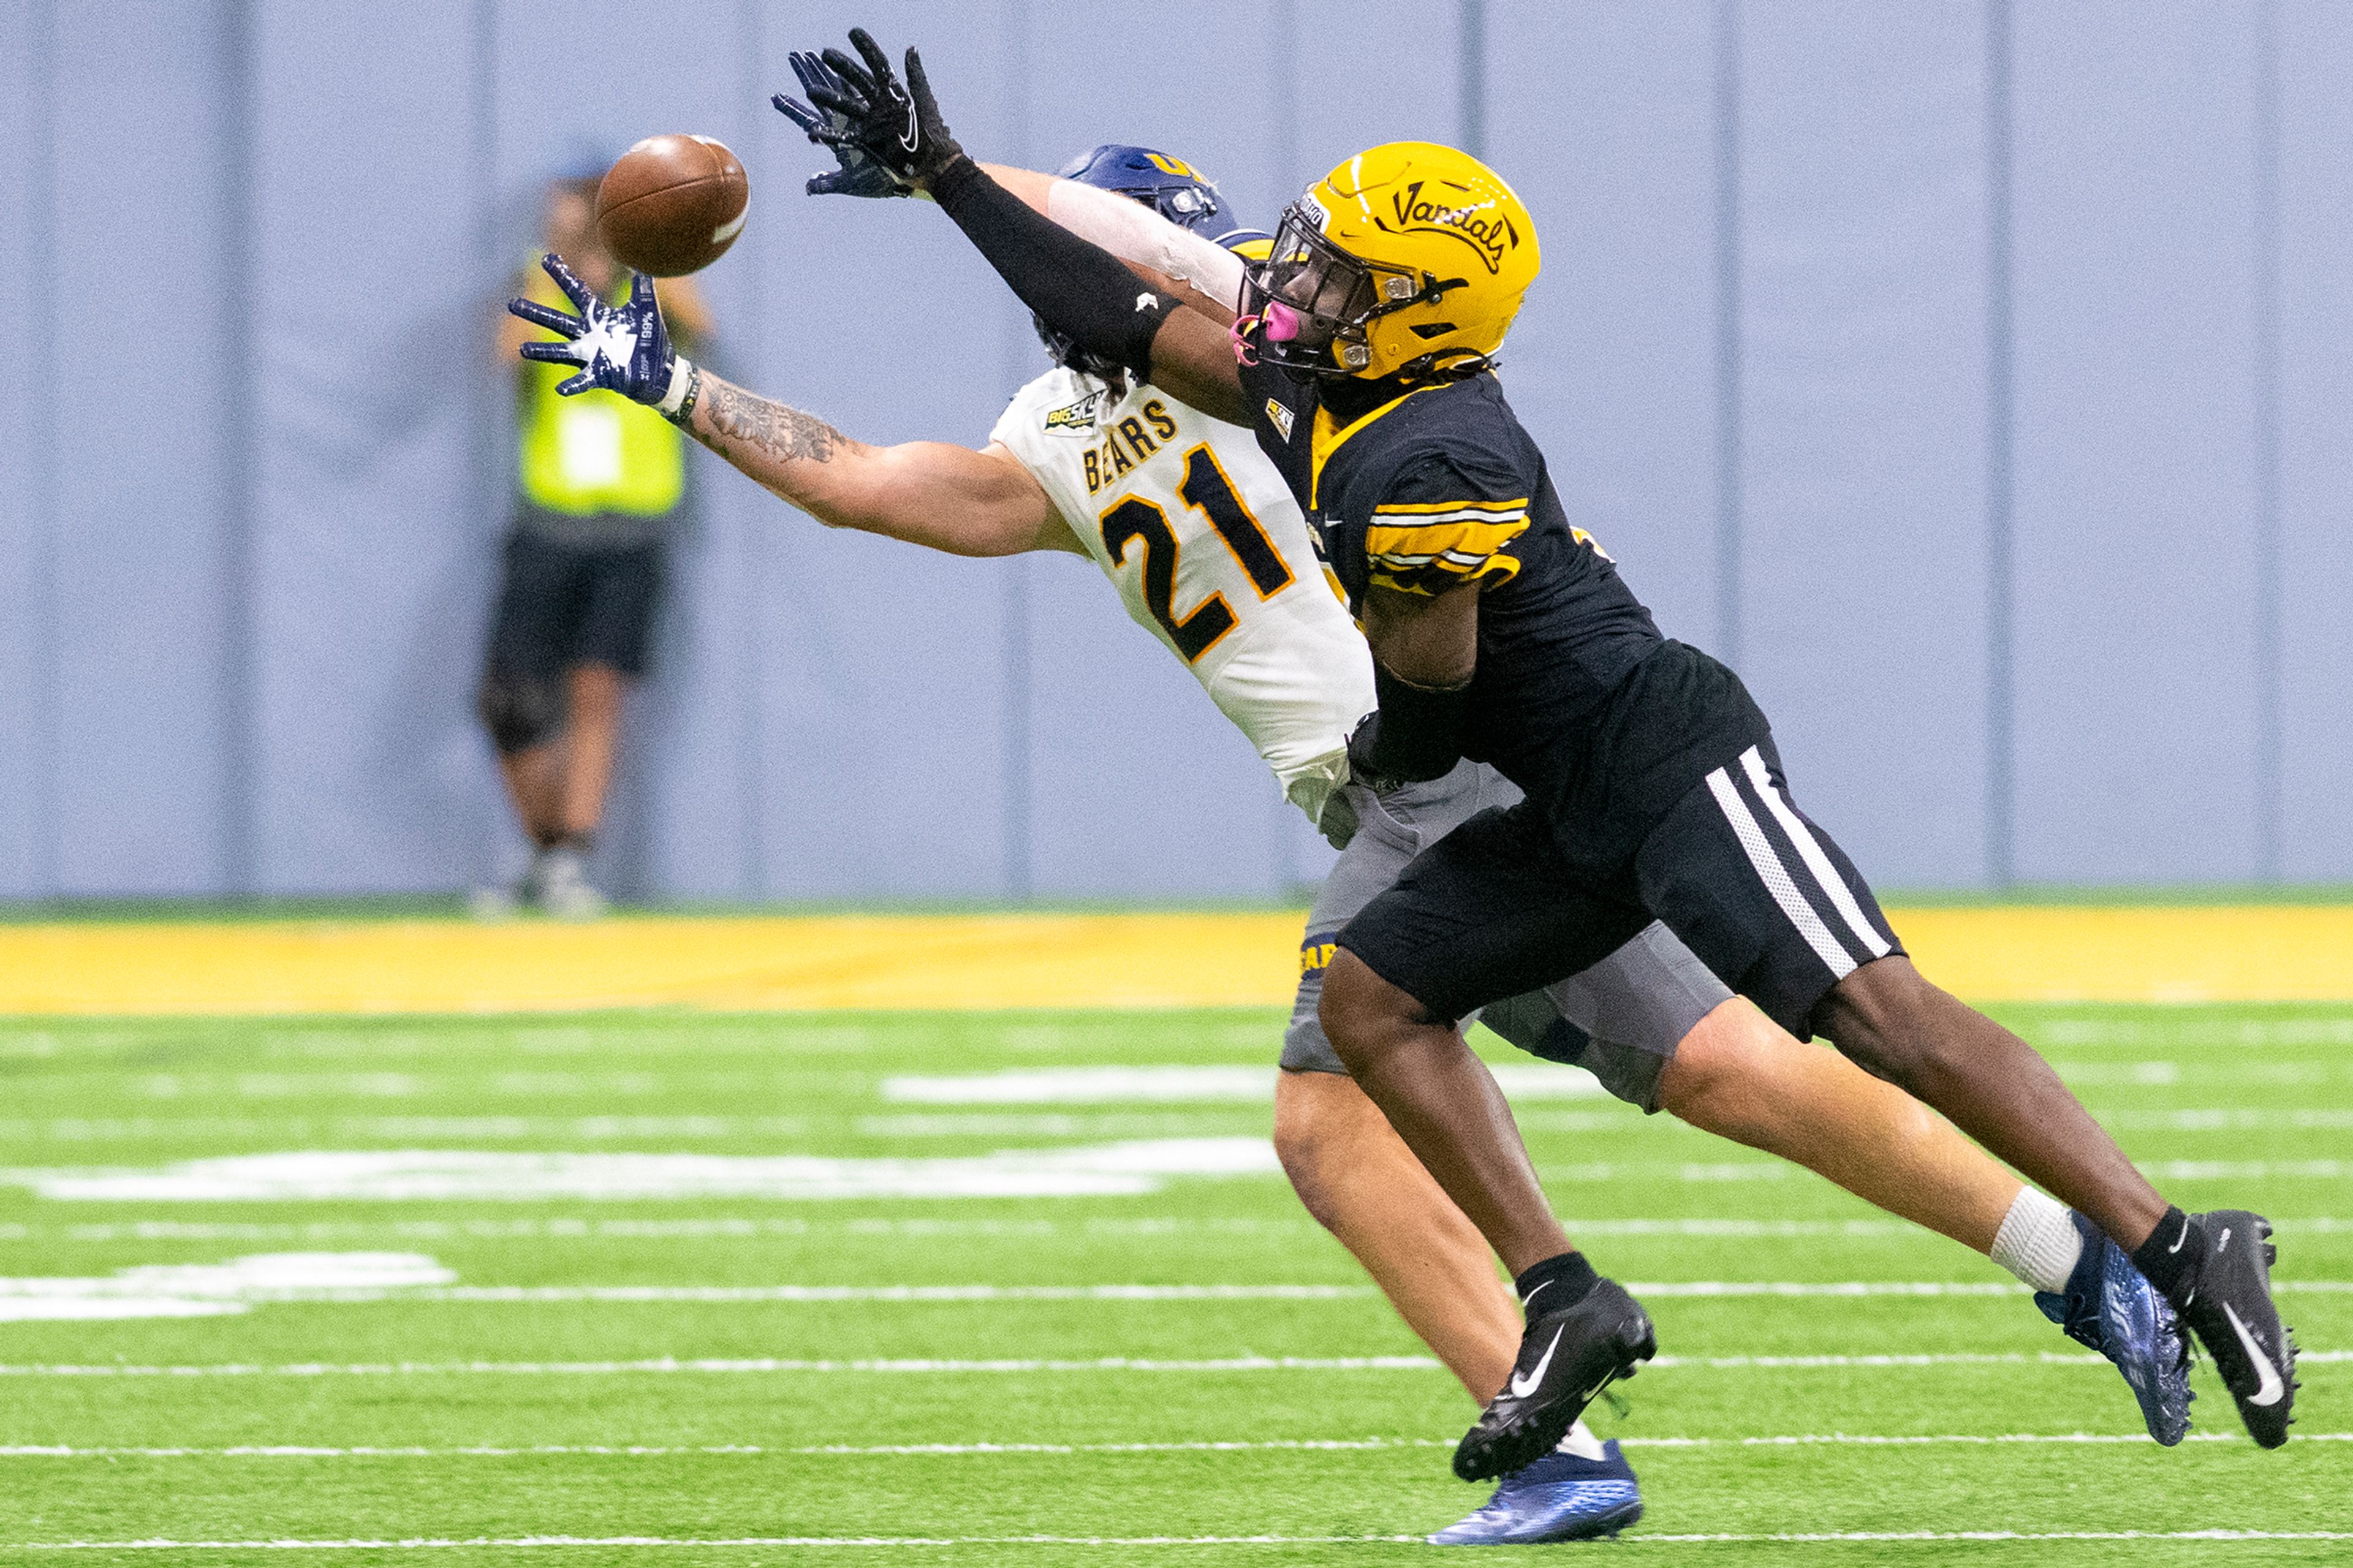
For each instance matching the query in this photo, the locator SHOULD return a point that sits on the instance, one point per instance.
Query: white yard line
(822, 1293)
(568, 1227)
(426, 1543)
(1129, 1168)
(1130, 1084)
(1126, 1169)
(932, 1450)
(1742, 1171)
(744, 1227)
(724, 1366)
(825, 1293)
(403, 1277)
(729, 1366)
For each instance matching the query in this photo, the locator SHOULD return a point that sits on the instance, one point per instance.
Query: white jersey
(1210, 553)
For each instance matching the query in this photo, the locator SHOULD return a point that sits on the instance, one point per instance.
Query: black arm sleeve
(1081, 289)
(1416, 734)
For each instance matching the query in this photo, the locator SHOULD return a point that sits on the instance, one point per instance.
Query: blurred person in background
(600, 483)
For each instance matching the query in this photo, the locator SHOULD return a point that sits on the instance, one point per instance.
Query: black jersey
(1438, 487)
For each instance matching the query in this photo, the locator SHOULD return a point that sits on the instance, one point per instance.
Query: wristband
(677, 403)
(1419, 732)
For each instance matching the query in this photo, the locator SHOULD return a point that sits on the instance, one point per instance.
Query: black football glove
(898, 126)
(859, 176)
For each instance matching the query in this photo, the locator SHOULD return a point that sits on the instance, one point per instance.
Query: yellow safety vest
(594, 453)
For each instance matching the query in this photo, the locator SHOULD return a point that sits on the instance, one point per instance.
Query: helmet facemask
(1310, 296)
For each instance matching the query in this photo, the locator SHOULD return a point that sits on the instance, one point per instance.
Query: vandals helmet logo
(1489, 232)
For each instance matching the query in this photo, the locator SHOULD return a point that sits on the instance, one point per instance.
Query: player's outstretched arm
(1083, 290)
(1200, 271)
(931, 493)
(927, 492)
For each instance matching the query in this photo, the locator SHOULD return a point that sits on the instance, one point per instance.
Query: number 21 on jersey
(1204, 490)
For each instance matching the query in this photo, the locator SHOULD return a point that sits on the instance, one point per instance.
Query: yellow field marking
(753, 964)
(2254, 953)
(748, 963)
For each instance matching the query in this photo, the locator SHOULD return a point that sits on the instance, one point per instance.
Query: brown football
(672, 204)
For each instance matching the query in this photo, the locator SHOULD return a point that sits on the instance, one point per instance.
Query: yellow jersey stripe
(1439, 578)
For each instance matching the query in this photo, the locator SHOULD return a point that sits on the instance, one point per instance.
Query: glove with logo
(860, 174)
(897, 126)
(621, 348)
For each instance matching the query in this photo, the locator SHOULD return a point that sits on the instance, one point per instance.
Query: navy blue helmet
(1169, 186)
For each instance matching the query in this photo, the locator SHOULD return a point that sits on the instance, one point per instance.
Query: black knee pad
(520, 711)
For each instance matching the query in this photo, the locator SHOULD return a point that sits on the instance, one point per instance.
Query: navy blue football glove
(621, 348)
(859, 176)
(896, 124)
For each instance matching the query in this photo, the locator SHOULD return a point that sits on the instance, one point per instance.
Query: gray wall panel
(1369, 71)
(884, 719)
(2316, 448)
(1863, 569)
(141, 508)
(2135, 450)
(1080, 95)
(1600, 116)
(374, 329)
(24, 523)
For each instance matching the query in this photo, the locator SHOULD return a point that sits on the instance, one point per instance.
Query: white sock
(2038, 1241)
(1581, 1442)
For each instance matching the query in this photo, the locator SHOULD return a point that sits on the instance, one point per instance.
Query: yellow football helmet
(1409, 257)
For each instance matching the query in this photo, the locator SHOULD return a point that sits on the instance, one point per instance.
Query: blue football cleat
(2111, 1307)
(1561, 1497)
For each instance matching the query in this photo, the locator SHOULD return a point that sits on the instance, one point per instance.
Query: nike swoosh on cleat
(2179, 1239)
(1534, 1294)
(2271, 1387)
(1521, 1386)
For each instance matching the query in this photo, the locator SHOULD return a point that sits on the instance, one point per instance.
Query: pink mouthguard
(1280, 321)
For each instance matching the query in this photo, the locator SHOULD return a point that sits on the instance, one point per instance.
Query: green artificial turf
(2250, 1106)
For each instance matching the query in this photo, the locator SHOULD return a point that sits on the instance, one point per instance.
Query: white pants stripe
(1809, 849)
(1775, 876)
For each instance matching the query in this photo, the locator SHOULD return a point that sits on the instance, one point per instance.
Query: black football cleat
(2227, 1304)
(1566, 1358)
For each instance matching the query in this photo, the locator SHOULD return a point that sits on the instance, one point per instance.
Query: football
(672, 204)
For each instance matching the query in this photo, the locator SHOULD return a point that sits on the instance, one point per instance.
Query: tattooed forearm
(736, 414)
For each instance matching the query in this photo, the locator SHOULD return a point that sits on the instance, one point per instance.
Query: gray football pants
(1620, 1020)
